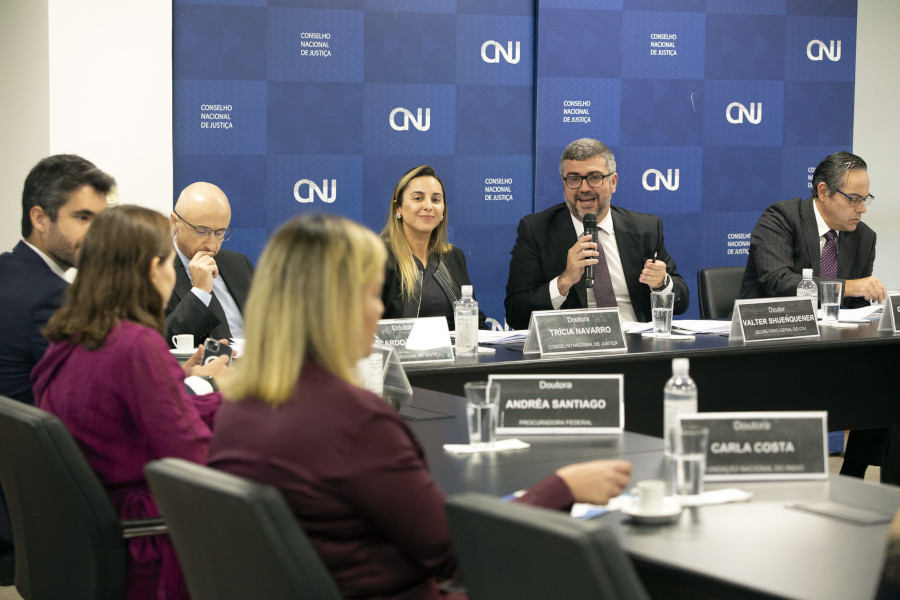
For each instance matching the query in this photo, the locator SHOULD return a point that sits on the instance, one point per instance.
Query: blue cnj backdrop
(714, 109)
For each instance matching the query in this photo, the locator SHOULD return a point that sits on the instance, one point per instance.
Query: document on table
(683, 326)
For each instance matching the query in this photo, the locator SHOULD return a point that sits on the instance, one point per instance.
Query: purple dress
(356, 478)
(125, 404)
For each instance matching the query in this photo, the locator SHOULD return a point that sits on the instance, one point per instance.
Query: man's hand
(869, 288)
(653, 273)
(203, 270)
(582, 254)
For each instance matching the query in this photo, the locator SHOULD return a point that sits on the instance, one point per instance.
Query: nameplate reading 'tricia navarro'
(555, 332)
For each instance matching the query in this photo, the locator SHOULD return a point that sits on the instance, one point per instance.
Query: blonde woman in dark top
(424, 272)
(348, 466)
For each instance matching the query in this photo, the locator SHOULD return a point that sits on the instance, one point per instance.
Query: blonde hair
(393, 232)
(305, 302)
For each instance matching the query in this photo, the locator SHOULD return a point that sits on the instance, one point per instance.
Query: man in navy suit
(211, 284)
(791, 236)
(548, 262)
(62, 194)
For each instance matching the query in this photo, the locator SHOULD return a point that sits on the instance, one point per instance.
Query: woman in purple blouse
(109, 376)
(347, 464)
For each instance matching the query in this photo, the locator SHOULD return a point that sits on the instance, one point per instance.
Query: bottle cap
(680, 366)
(807, 273)
(466, 290)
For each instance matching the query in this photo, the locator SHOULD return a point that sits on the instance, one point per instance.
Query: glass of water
(688, 448)
(830, 296)
(661, 306)
(482, 407)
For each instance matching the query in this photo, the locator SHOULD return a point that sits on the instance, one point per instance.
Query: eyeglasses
(855, 200)
(221, 234)
(573, 182)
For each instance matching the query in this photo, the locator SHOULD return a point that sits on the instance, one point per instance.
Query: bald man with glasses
(211, 284)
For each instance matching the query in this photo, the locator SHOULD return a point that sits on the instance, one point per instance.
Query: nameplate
(890, 314)
(764, 445)
(564, 332)
(539, 404)
(765, 319)
(426, 339)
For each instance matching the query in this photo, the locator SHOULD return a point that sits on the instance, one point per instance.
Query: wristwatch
(664, 284)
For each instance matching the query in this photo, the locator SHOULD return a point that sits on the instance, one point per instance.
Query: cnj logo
(304, 190)
(657, 178)
(753, 114)
(509, 55)
(407, 118)
(817, 50)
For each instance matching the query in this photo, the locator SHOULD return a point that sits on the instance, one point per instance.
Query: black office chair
(69, 543)
(236, 538)
(718, 287)
(508, 550)
(7, 564)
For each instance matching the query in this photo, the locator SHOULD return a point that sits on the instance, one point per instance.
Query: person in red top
(348, 466)
(109, 376)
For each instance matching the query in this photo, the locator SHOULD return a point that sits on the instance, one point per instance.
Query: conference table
(756, 549)
(847, 371)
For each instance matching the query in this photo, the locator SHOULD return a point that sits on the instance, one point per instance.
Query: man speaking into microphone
(552, 250)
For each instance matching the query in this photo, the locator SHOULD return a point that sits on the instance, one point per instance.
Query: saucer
(182, 353)
(669, 514)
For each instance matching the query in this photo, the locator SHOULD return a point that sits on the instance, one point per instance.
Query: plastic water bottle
(465, 314)
(679, 397)
(808, 287)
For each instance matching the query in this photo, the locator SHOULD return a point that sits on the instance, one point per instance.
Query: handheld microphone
(590, 228)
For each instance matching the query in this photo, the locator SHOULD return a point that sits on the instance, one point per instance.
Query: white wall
(876, 126)
(94, 77)
(24, 105)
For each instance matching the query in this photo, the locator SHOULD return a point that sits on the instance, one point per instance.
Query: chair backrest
(508, 550)
(235, 538)
(68, 539)
(717, 288)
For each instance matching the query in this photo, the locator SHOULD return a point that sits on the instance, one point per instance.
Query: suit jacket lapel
(182, 283)
(847, 243)
(629, 253)
(810, 232)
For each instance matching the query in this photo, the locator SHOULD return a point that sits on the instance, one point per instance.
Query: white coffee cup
(650, 494)
(183, 341)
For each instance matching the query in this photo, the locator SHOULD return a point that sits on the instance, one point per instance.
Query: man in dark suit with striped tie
(824, 233)
(547, 269)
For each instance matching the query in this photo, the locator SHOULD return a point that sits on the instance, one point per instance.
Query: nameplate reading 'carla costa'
(560, 404)
(554, 332)
(774, 319)
(764, 445)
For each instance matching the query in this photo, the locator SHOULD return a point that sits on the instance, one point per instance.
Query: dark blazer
(186, 313)
(451, 275)
(785, 241)
(543, 244)
(29, 293)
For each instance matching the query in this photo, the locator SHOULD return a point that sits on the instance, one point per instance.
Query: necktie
(603, 289)
(828, 268)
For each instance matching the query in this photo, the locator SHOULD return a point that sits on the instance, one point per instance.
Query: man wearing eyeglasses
(547, 269)
(823, 232)
(212, 284)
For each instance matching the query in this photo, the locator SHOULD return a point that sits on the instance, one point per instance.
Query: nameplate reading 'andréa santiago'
(560, 404)
(554, 332)
(764, 445)
(426, 339)
(766, 319)
(890, 316)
